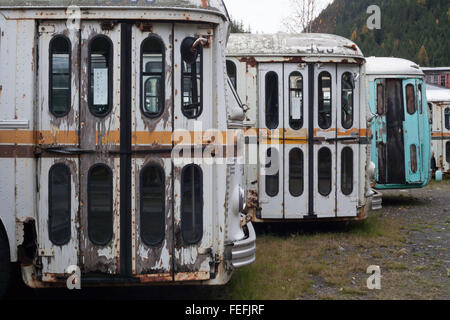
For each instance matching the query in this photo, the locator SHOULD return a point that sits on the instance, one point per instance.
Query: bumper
(244, 251)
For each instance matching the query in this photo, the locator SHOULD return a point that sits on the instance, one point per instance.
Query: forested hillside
(418, 30)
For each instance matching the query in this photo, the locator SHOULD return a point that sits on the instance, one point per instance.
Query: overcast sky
(264, 16)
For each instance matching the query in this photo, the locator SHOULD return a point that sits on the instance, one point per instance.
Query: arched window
(192, 78)
(410, 99)
(153, 194)
(100, 205)
(296, 183)
(60, 76)
(347, 100)
(192, 204)
(59, 204)
(232, 73)
(272, 100)
(325, 171)
(100, 75)
(296, 100)
(347, 171)
(273, 173)
(325, 100)
(152, 78)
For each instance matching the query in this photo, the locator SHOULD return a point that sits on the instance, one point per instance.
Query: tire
(5, 263)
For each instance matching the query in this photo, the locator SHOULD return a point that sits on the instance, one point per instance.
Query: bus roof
(215, 6)
(392, 67)
(437, 94)
(291, 45)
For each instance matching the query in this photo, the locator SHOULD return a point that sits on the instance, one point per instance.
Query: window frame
(110, 62)
(342, 102)
(291, 90)
(320, 100)
(141, 204)
(277, 112)
(183, 188)
(50, 76)
(50, 203)
(111, 203)
(183, 74)
(162, 93)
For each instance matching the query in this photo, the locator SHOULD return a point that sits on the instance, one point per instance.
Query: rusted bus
(439, 112)
(397, 102)
(306, 96)
(91, 115)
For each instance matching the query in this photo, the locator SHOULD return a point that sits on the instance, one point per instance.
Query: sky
(264, 16)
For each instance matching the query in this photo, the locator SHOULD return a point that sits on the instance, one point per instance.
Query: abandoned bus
(308, 148)
(401, 141)
(439, 110)
(91, 99)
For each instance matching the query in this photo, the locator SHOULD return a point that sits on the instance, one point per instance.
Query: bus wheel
(5, 264)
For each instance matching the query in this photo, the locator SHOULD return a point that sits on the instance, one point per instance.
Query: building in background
(438, 76)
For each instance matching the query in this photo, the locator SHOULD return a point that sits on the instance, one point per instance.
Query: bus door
(151, 144)
(411, 131)
(271, 151)
(57, 141)
(296, 100)
(324, 141)
(195, 181)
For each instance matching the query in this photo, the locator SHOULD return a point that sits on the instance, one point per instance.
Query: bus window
(100, 77)
(324, 171)
(413, 157)
(59, 204)
(447, 118)
(192, 73)
(296, 183)
(272, 181)
(192, 204)
(60, 76)
(153, 194)
(347, 100)
(296, 100)
(325, 101)
(100, 205)
(272, 103)
(447, 152)
(152, 81)
(410, 99)
(347, 171)
(232, 73)
(419, 98)
(380, 100)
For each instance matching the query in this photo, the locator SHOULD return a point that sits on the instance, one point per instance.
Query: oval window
(325, 101)
(192, 78)
(192, 204)
(347, 100)
(272, 173)
(100, 75)
(152, 81)
(60, 76)
(100, 205)
(296, 100)
(325, 171)
(272, 103)
(296, 183)
(59, 204)
(153, 194)
(410, 99)
(347, 171)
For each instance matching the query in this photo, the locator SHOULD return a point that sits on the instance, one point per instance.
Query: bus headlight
(239, 200)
